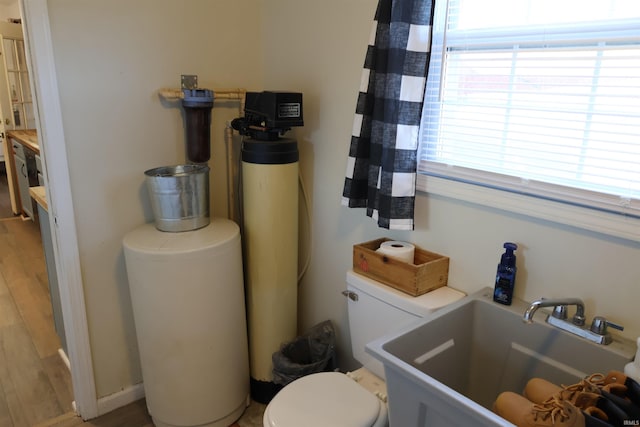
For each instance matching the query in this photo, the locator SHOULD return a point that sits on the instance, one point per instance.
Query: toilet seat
(325, 399)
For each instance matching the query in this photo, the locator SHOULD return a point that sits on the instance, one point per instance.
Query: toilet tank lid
(420, 306)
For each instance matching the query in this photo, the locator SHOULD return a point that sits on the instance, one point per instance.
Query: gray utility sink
(447, 369)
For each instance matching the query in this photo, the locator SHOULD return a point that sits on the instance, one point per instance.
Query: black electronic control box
(274, 110)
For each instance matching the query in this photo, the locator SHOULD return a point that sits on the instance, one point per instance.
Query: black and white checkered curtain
(381, 168)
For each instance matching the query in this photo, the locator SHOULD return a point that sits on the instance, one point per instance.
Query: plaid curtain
(381, 168)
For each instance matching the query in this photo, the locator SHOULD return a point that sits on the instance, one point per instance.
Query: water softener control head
(269, 115)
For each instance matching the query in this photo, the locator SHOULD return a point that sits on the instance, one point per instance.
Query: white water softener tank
(187, 294)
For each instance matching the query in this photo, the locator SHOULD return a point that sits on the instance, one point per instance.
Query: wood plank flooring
(35, 384)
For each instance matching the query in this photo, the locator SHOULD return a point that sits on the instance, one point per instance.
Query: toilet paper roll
(400, 250)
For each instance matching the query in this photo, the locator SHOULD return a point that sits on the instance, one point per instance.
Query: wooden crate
(428, 272)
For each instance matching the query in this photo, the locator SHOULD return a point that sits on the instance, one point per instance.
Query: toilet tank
(376, 309)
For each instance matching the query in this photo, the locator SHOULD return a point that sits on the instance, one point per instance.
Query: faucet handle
(560, 312)
(599, 325)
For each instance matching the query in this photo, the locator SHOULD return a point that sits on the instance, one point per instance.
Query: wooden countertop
(27, 137)
(40, 196)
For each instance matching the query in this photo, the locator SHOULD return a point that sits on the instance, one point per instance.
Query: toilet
(358, 398)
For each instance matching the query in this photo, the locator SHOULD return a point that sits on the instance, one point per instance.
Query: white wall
(112, 57)
(318, 48)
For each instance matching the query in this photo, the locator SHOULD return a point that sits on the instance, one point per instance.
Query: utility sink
(447, 369)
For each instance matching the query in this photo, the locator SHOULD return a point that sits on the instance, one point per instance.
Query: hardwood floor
(35, 384)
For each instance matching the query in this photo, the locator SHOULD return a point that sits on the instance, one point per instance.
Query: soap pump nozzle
(508, 257)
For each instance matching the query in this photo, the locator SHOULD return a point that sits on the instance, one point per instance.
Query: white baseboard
(64, 358)
(121, 398)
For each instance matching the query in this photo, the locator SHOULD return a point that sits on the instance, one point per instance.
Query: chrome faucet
(558, 318)
(560, 307)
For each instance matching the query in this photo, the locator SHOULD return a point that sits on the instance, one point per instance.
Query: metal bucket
(179, 197)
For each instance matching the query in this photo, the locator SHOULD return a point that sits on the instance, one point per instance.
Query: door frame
(48, 113)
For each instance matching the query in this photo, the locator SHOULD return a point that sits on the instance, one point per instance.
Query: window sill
(574, 216)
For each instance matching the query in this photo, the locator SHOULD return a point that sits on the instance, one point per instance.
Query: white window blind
(537, 97)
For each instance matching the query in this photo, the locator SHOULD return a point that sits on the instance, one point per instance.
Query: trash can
(310, 353)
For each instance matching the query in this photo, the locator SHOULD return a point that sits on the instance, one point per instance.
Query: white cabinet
(23, 159)
(54, 288)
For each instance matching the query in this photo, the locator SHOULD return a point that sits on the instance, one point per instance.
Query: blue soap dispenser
(506, 275)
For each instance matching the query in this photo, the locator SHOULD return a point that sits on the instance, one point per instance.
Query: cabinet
(26, 175)
(38, 194)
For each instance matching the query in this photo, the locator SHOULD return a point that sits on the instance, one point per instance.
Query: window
(539, 98)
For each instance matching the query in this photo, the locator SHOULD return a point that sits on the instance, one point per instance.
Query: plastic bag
(312, 352)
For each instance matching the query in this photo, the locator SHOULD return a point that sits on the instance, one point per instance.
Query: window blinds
(548, 107)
